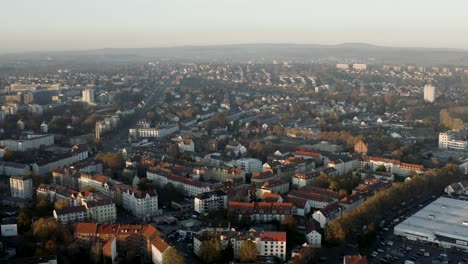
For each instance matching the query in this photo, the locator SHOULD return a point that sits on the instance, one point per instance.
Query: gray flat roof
(444, 217)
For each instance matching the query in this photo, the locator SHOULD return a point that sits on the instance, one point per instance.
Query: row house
(261, 177)
(261, 211)
(66, 177)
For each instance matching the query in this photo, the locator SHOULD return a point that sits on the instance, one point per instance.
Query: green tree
(248, 251)
(172, 256)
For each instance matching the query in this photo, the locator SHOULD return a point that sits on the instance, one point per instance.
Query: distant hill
(346, 52)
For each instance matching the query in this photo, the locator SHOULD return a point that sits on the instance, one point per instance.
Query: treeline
(372, 210)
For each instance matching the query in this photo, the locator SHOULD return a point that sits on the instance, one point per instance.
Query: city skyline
(53, 25)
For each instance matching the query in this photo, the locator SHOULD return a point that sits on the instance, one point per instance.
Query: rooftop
(444, 217)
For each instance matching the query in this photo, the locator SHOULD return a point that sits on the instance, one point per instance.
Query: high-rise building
(429, 93)
(87, 96)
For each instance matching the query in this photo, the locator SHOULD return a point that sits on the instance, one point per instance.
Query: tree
(248, 251)
(210, 250)
(289, 223)
(50, 246)
(61, 203)
(24, 220)
(47, 229)
(8, 155)
(172, 256)
(334, 232)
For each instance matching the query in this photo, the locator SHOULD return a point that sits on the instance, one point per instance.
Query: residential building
(87, 96)
(10, 168)
(268, 243)
(261, 212)
(249, 165)
(300, 180)
(342, 66)
(359, 66)
(189, 186)
(328, 213)
(141, 204)
(21, 187)
(133, 239)
(319, 198)
(28, 143)
(72, 214)
(389, 165)
(210, 201)
(101, 211)
(158, 247)
(429, 93)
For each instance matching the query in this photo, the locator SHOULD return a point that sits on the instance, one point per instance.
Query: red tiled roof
(273, 236)
(86, 228)
(160, 244)
(307, 153)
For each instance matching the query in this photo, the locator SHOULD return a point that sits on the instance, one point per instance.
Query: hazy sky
(29, 25)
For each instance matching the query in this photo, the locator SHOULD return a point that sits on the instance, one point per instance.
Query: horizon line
(231, 44)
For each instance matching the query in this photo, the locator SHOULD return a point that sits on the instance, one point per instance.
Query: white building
(73, 214)
(443, 222)
(359, 66)
(314, 239)
(210, 201)
(153, 132)
(249, 165)
(189, 186)
(87, 96)
(44, 128)
(429, 93)
(21, 186)
(10, 168)
(101, 211)
(268, 243)
(342, 66)
(30, 142)
(141, 204)
(9, 227)
(452, 140)
(158, 247)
